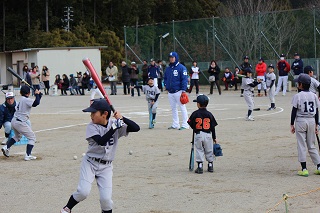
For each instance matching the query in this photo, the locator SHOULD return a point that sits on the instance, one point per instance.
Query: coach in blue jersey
(176, 81)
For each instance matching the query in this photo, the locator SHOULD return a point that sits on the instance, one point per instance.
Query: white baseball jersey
(106, 152)
(195, 74)
(314, 85)
(306, 102)
(23, 108)
(150, 91)
(245, 84)
(269, 78)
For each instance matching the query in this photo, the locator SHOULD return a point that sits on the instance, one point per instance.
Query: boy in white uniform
(270, 83)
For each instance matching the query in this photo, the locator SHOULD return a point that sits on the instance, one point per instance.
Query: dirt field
(259, 163)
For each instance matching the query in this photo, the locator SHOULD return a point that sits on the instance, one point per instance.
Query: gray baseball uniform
(20, 123)
(97, 164)
(269, 78)
(314, 85)
(247, 94)
(151, 93)
(306, 103)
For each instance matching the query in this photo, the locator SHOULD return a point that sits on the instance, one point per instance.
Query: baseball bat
(19, 77)
(87, 63)
(191, 162)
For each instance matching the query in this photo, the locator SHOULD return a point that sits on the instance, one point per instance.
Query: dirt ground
(259, 163)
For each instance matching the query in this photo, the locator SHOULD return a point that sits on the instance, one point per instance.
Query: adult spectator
(112, 73)
(64, 84)
(35, 79)
(194, 72)
(297, 67)
(7, 110)
(244, 67)
(176, 82)
(125, 78)
(134, 71)
(160, 77)
(144, 72)
(79, 83)
(153, 72)
(45, 78)
(85, 82)
(72, 85)
(261, 70)
(284, 68)
(214, 70)
(26, 75)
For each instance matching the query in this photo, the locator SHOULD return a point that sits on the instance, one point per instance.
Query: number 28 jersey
(202, 120)
(306, 102)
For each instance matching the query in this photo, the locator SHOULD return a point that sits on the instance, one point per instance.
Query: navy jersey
(203, 120)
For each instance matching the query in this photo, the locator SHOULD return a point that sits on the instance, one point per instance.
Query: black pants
(134, 82)
(126, 87)
(160, 84)
(217, 82)
(46, 87)
(194, 82)
(144, 80)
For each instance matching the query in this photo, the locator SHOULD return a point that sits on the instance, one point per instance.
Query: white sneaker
(65, 210)
(5, 151)
(4, 142)
(29, 157)
(250, 118)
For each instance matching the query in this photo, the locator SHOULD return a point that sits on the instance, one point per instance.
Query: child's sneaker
(304, 173)
(5, 151)
(199, 170)
(210, 167)
(65, 210)
(29, 157)
(317, 172)
(250, 118)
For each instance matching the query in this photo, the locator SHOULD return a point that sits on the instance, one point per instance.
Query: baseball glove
(217, 150)
(184, 98)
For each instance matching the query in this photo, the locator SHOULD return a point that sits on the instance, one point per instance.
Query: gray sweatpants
(204, 146)
(23, 128)
(306, 137)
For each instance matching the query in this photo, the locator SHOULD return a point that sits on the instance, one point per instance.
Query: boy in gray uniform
(21, 123)
(304, 116)
(102, 135)
(315, 85)
(270, 82)
(152, 94)
(248, 84)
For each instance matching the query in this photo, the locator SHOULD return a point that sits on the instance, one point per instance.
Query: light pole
(161, 37)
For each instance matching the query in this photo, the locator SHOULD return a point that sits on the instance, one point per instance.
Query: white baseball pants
(283, 80)
(174, 99)
(263, 83)
(248, 97)
(89, 171)
(204, 146)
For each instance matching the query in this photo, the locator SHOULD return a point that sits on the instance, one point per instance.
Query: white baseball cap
(9, 95)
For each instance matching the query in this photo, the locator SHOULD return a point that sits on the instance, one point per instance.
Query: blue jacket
(297, 66)
(176, 76)
(153, 71)
(6, 113)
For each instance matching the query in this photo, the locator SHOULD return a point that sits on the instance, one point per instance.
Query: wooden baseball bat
(19, 77)
(87, 63)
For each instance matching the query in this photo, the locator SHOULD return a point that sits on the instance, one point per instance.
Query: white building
(59, 60)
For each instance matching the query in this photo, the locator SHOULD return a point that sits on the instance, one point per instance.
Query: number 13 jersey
(306, 102)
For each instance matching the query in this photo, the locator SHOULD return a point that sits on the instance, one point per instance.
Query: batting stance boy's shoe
(304, 173)
(250, 118)
(29, 157)
(5, 151)
(65, 210)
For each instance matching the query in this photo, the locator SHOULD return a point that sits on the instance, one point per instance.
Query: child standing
(102, 135)
(315, 85)
(203, 124)
(248, 84)
(304, 117)
(194, 73)
(21, 123)
(152, 94)
(270, 83)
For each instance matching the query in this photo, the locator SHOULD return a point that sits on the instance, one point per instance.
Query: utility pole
(68, 18)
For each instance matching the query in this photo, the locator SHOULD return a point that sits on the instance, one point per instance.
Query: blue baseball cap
(24, 90)
(202, 99)
(303, 78)
(98, 105)
(174, 54)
